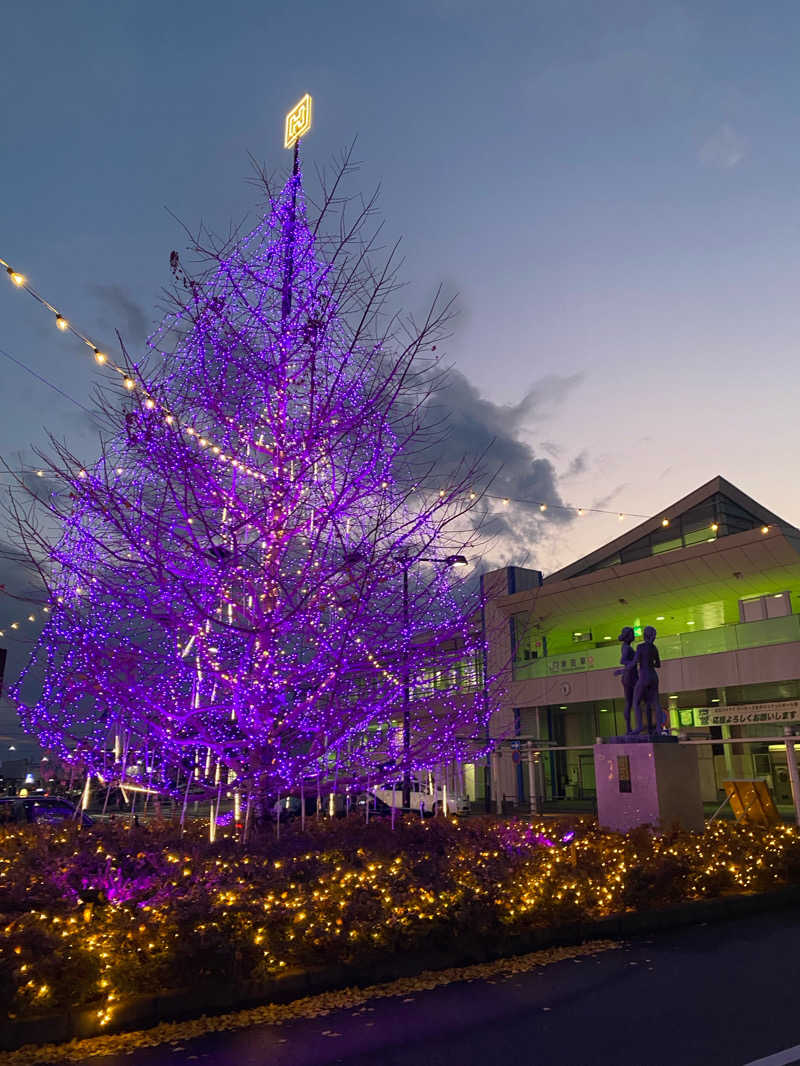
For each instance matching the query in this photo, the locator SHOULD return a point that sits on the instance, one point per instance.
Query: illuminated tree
(227, 581)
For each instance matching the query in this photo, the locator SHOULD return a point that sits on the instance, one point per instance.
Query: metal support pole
(406, 701)
(487, 769)
(288, 269)
(727, 752)
(534, 799)
(794, 776)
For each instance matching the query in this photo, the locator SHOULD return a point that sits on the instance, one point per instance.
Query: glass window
(471, 672)
(639, 550)
(698, 536)
(624, 773)
(670, 545)
(527, 638)
(736, 519)
(612, 560)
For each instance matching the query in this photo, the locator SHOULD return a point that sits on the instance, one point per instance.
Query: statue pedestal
(647, 781)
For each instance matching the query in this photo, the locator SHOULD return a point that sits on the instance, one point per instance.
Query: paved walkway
(720, 995)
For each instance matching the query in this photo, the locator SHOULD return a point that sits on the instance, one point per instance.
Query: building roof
(677, 584)
(716, 493)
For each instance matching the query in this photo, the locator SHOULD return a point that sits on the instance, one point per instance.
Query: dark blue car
(23, 810)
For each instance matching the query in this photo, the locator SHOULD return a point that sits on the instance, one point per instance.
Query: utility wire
(44, 381)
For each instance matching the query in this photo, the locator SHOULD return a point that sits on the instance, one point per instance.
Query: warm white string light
(19, 622)
(205, 443)
(100, 357)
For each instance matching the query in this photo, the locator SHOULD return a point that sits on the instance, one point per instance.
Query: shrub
(89, 916)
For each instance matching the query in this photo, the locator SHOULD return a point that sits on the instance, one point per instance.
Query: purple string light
(227, 607)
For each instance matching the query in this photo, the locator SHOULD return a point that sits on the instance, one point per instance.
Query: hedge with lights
(91, 917)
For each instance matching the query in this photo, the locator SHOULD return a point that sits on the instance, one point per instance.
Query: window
(692, 527)
(471, 670)
(638, 550)
(662, 545)
(624, 773)
(526, 637)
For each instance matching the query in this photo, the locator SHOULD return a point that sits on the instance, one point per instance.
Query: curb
(142, 1012)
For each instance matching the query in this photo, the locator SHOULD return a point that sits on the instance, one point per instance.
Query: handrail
(734, 637)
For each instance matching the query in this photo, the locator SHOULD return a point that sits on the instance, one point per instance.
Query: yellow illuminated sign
(298, 122)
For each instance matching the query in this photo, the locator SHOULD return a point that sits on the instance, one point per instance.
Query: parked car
(430, 802)
(22, 810)
(376, 805)
(381, 801)
(289, 807)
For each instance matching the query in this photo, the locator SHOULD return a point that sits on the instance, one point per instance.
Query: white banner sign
(747, 713)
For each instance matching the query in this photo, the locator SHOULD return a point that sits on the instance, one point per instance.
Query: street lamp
(449, 560)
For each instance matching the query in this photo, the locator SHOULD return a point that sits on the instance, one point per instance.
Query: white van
(423, 796)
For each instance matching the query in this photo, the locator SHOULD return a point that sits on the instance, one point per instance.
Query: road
(716, 995)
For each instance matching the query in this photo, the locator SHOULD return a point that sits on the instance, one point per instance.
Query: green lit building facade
(718, 575)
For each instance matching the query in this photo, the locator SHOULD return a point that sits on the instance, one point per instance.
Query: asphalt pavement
(726, 994)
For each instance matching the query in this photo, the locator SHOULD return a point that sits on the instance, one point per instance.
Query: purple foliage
(227, 602)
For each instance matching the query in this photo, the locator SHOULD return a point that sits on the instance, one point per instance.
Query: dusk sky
(612, 188)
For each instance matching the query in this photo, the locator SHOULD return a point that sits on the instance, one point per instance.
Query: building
(718, 575)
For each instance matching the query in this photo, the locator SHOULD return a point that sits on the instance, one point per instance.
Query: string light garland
(102, 359)
(467, 497)
(129, 384)
(248, 632)
(6, 628)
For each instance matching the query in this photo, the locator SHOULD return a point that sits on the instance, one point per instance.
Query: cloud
(579, 465)
(469, 425)
(604, 501)
(42, 488)
(127, 315)
(474, 426)
(724, 149)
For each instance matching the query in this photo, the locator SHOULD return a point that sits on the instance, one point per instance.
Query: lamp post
(449, 560)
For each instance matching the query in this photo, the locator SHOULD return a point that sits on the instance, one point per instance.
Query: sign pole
(794, 776)
(533, 799)
(298, 123)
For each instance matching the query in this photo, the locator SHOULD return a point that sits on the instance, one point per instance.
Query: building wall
(715, 573)
(503, 777)
(777, 662)
(571, 709)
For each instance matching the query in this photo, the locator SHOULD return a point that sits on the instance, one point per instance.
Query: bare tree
(255, 578)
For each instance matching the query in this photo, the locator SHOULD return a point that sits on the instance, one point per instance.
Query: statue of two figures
(639, 670)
